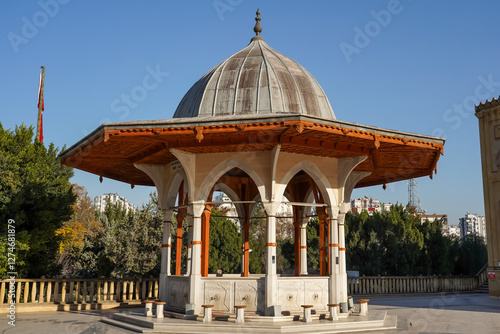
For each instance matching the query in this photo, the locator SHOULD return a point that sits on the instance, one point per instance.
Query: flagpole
(40, 106)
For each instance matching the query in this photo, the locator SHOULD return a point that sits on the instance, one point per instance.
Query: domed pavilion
(259, 128)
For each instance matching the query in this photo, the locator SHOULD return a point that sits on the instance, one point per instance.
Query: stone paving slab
(425, 314)
(442, 313)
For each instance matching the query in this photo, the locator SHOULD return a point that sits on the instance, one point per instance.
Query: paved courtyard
(450, 313)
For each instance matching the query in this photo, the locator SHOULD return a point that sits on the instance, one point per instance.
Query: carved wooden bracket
(299, 127)
(376, 141)
(199, 133)
(241, 127)
(108, 134)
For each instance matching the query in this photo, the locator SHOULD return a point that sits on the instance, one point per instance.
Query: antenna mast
(413, 198)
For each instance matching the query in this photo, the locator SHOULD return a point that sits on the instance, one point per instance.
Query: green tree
(395, 242)
(77, 254)
(312, 233)
(132, 241)
(36, 193)
(225, 245)
(116, 243)
(257, 257)
(386, 243)
(469, 254)
(436, 257)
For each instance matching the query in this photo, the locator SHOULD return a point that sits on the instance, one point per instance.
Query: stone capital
(271, 208)
(197, 208)
(344, 207)
(167, 215)
(333, 212)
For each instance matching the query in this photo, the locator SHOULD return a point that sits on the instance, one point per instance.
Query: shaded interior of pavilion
(303, 209)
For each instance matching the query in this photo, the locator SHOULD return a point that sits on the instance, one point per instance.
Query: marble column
(333, 248)
(342, 259)
(166, 254)
(195, 283)
(303, 247)
(272, 309)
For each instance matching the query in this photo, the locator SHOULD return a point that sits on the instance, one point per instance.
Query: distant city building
(472, 224)
(100, 202)
(452, 231)
(285, 209)
(226, 205)
(434, 217)
(369, 204)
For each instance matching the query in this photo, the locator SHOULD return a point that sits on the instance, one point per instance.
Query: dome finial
(257, 28)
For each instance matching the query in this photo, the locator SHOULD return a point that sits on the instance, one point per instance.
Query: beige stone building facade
(488, 114)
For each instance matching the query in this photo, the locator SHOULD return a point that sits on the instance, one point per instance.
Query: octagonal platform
(137, 322)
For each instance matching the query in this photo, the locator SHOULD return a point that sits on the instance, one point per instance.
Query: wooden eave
(112, 149)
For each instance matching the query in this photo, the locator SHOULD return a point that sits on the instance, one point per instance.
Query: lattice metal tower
(413, 198)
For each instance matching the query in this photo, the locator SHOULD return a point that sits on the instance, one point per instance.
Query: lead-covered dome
(257, 80)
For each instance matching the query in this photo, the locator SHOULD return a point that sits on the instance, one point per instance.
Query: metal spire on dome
(257, 28)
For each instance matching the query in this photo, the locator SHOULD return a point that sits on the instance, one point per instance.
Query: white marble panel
(290, 294)
(219, 294)
(316, 293)
(246, 293)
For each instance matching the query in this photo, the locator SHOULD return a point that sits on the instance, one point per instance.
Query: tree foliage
(395, 243)
(257, 242)
(36, 193)
(116, 243)
(225, 245)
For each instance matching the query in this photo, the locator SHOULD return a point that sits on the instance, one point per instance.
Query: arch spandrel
(160, 176)
(211, 167)
(188, 165)
(322, 170)
(167, 181)
(348, 179)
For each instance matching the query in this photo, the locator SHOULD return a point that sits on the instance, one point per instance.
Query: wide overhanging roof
(112, 149)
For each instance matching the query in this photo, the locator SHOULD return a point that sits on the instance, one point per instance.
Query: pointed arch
(218, 171)
(319, 178)
(174, 185)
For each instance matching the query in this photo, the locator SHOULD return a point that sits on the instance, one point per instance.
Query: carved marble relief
(316, 294)
(219, 294)
(290, 295)
(246, 293)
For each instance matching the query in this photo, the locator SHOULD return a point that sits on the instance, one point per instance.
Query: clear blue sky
(417, 66)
